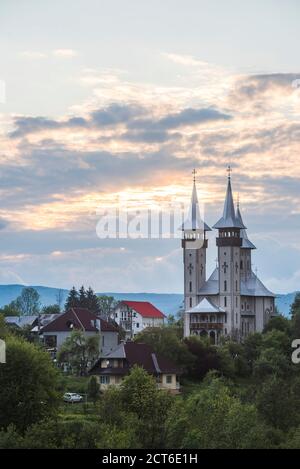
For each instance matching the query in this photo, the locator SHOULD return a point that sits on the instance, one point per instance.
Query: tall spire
(194, 220)
(229, 220)
(246, 241)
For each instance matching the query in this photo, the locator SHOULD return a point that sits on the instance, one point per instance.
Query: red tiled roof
(144, 308)
(78, 318)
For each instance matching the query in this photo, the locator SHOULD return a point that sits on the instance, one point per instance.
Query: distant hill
(169, 303)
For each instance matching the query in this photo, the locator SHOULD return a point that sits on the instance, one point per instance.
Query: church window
(190, 286)
(225, 285)
(236, 301)
(191, 302)
(236, 285)
(242, 265)
(225, 300)
(236, 318)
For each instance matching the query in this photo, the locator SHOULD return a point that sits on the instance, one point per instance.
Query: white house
(134, 316)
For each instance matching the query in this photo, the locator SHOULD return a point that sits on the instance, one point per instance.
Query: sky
(107, 105)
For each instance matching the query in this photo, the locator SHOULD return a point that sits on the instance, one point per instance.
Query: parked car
(72, 397)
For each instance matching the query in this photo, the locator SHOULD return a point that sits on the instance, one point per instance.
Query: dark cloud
(115, 114)
(254, 86)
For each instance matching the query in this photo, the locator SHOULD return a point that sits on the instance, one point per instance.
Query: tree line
(236, 395)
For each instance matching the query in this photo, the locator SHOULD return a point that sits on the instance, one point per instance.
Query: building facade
(232, 301)
(135, 316)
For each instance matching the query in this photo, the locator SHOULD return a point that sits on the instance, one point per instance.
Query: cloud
(115, 114)
(64, 53)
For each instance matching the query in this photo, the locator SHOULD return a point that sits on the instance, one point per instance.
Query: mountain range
(169, 303)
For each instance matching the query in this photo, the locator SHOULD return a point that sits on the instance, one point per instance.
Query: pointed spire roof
(229, 220)
(246, 243)
(194, 220)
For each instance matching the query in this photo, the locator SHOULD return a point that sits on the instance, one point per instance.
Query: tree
(79, 350)
(82, 297)
(72, 300)
(92, 301)
(29, 383)
(295, 312)
(93, 389)
(28, 303)
(51, 309)
(276, 403)
(140, 396)
(165, 341)
(205, 357)
(213, 418)
(10, 310)
(278, 323)
(106, 305)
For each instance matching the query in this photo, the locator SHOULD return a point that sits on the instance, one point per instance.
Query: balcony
(206, 325)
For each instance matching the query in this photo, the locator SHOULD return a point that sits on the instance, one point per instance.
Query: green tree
(92, 301)
(166, 341)
(276, 403)
(82, 297)
(278, 323)
(106, 304)
(93, 389)
(51, 309)
(79, 350)
(213, 418)
(29, 382)
(10, 310)
(72, 299)
(28, 303)
(140, 396)
(295, 313)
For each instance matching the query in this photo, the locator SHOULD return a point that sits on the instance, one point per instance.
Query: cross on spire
(229, 171)
(194, 172)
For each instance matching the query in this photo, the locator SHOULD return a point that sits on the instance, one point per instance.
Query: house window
(104, 379)
(225, 300)
(103, 340)
(137, 325)
(169, 379)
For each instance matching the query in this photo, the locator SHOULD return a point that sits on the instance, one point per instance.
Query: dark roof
(137, 354)
(78, 318)
(144, 308)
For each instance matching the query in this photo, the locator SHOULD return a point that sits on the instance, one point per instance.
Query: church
(232, 301)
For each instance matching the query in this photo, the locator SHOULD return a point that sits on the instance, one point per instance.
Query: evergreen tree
(82, 297)
(93, 389)
(92, 301)
(72, 299)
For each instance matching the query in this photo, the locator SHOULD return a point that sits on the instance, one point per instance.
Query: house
(22, 321)
(55, 332)
(114, 366)
(134, 316)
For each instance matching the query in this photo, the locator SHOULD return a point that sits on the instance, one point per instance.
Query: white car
(72, 397)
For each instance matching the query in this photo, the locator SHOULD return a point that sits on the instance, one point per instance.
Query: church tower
(229, 243)
(194, 244)
(246, 250)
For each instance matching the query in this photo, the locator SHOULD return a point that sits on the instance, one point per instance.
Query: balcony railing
(206, 325)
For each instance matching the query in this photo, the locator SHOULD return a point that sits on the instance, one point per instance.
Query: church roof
(251, 286)
(206, 306)
(246, 243)
(229, 219)
(194, 220)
